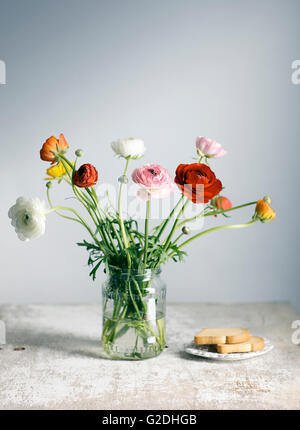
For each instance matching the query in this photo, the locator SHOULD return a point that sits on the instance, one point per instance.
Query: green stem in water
(140, 294)
(134, 302)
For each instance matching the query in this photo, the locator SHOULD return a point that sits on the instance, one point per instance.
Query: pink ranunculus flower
(209, 148)
(155, 182)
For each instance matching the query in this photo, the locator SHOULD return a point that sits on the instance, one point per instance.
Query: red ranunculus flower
(86, 176)
(190, 177)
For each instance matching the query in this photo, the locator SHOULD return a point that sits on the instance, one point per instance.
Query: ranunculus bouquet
(131, 254)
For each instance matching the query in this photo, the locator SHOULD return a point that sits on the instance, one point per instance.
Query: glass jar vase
(134, 307)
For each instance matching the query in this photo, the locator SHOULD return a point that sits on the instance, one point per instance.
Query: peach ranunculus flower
(154, 181)
(51, 144)
(221, 203)
(263, 210)
(209, 148)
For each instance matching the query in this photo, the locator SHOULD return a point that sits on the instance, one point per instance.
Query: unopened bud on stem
(267, 199)
(186, 230)
(79, 153)
(123, 179)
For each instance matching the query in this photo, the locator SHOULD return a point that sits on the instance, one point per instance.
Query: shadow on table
(186, 356)
(66, 343)
(61, 342)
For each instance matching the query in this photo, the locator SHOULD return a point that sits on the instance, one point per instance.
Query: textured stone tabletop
(60, 366)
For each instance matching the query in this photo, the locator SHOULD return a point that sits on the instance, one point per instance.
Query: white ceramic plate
(204, 351)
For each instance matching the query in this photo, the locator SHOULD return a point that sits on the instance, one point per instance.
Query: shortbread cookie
(213, 336)
(254, 343)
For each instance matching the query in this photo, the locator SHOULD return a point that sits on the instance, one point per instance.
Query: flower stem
(90, 205)
(221, 227)
(78, 219)
(217, 212)
(146, 230)
(178, 238)
(125, 239)
(95, 207)
(228, 210)
(190, 219)
(54, 209)
(166, 246)
(166, 221)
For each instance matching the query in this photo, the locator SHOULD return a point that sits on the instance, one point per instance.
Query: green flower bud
(79, 153)
(123, 179)
(267, 199)
(49, 184)
(186, 230)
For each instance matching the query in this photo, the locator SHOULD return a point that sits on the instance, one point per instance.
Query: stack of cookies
(229, 340)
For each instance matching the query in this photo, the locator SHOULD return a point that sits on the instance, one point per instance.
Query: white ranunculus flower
(28, 216)
(129, 148)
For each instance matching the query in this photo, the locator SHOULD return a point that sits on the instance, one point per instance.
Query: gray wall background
(165, 71)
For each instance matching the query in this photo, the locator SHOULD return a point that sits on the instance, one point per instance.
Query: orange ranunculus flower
(264, 211)
(51, 145)
(86, 176)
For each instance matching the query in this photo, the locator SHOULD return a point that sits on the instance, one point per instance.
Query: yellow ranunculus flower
(264, 211)
(56, 172)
